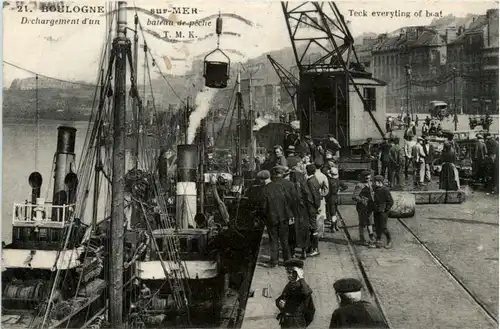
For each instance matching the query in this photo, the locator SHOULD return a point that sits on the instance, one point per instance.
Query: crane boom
(288, 80)
(322, 43)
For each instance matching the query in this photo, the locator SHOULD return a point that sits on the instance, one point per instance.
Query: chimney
(186, 200)
(451, 34)
(402, 33)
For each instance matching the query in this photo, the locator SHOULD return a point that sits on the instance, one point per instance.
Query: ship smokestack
(187, 165)
(64, 178)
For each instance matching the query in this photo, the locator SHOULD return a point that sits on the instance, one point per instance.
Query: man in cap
(313, 208)
(335, 186)
(409, 160)
(292, 160)
(383, 202)
(255, 194)
(324, 190)
(385, 159)
(419, 157)
(281, 176)
(478, 158)
(363, 195)
(354, 312)
(397, 160)
(275, 203)
(429, 157)
(295, 302)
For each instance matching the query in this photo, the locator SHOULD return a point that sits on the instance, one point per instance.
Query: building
(473, 56)
(421, 47)
(364, 52)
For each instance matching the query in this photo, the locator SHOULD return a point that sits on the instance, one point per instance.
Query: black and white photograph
(250, 164)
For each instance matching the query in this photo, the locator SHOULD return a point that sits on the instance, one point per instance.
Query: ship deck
(441, 273)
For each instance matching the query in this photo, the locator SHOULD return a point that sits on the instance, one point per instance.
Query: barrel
(404, 205)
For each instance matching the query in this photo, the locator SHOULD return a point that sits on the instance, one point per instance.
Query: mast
(117, 206)
(251, 148)
(136, 110)
(202, 141)
(98, 152)
(186, 122)
(238, 127)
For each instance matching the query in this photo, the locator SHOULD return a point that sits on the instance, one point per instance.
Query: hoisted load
(216, 71)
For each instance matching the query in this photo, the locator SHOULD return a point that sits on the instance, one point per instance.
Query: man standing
(324, 190)
(363, 195)
(383, 202)
(385, 159)
(429, 158)
(408, 151)
(277, 212)
(313, 208)
(333, 146)
(397, 159)
(291, 158)
(419, 157)
(292, 202)
(354, 312)
(478, 157)
(335, 186)
(295, 302)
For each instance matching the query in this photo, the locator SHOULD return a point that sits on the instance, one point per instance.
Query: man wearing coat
(313, 207)
(276, 207)
(397, 159)
(383, 202)
(295, 302)
(363, 195)
(354, 312)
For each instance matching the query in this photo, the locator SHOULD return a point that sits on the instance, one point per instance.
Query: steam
(202, 101)
(259, 124)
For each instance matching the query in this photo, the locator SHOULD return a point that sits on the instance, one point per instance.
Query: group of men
(396, 160)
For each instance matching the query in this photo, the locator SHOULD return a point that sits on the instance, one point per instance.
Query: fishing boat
(52, 254)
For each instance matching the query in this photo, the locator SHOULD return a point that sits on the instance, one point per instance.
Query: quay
(441, 273)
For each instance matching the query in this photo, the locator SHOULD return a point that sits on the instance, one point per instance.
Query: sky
(72, 52)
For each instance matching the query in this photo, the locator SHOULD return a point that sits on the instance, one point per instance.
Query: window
(369, 96)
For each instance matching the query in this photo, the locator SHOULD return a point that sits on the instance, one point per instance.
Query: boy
(383, 202)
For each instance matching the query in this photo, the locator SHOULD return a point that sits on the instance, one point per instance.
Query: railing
(47, 214)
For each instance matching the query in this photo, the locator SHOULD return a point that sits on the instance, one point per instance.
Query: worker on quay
(419, 164)
(428, 120)
(383, 202)
(397, 162)
(291, 158)
(281, 175)
(335, 186)
(448, 179)
(429, 152)
(301, 222)
(363, 195)
(416, 120)
(385, 159)
(425, 129)
(354, 312)
(478, 158)
(275, 207)
(313, 209)
(279, 159)
(324, 190)
(295, 302)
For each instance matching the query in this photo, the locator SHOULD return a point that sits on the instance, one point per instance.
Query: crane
(288, 80)
(329, 69)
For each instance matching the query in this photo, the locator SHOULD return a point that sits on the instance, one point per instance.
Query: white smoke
(260, 123)
(202, 101)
